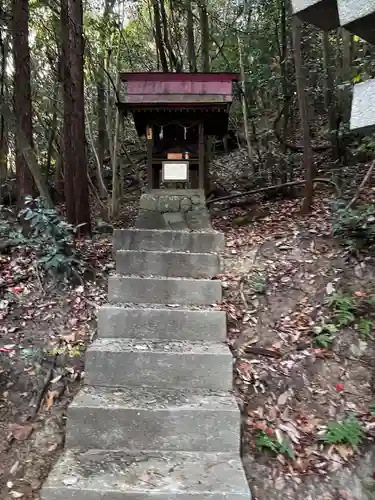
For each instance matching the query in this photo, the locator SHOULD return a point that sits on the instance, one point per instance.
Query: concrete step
(157, 419)
(161, 323)
(126, 289)
(178, 241)
(170, 264)
(111, 475)
(159, 363)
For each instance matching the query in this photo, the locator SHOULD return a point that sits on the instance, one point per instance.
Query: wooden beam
(201, 172)
(150, 147)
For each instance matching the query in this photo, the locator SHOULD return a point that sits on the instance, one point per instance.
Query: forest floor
(290, 380)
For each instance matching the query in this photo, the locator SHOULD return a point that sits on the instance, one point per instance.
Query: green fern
(365, 326)
(349, 431)
(263, 441)
(371, 407)
(323, 340)
(343, 307)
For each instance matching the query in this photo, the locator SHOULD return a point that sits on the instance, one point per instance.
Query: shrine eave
(178, 77)
(222, 107)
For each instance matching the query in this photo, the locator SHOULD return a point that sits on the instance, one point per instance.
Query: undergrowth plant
(263, 441)
(343, 308)
(8, 231)
(356, 310)
(324, 334)
(349, 432)
(52, 238)
(354, 227)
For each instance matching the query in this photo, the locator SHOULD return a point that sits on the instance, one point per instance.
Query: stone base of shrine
(179, 209)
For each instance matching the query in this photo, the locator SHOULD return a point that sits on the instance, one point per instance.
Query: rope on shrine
(175, 122)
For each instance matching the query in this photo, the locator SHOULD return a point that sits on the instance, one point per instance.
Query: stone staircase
(156, 418)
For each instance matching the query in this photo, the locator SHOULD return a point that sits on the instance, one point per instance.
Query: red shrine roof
(176, 90)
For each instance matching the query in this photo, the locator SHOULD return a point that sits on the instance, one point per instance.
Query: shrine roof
(176, 89)
(159, 76)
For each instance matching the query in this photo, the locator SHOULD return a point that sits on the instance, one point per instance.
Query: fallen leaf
(330, 288)
(70, 481)
(292, 432)
(69, 338)
(279, 436)
(16, 494)
(14, 468)
(50, 398)
(344, 451)
(21, 432)
(283, 398)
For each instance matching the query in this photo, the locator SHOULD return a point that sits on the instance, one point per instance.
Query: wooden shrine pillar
(150, 146)
(202, 154)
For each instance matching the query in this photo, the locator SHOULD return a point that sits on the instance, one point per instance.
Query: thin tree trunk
(3, 129)
(302, 101)
(101, 186)
(205, 38)
(243, 100)
(52, 131)
(205, 67)
(190, 38)
(113, 208)
(346, 70)
(173, 62)
(361, 186)
(158, 36)
(115, 186)
(103, 142)
(329, 97)
(286, 97)
(22, 96)
(27, 153)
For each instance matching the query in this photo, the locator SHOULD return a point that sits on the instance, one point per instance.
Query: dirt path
(279, 273)
(44, 332)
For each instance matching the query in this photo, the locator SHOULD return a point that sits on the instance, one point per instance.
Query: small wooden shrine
(175, 112)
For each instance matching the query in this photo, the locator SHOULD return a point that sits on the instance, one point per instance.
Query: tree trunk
(27, 152)
(102, 127)
(22, 96)
(346, 73)
(52, 131)
(190, 38)
(173, 61)
(302, 102)
(103, 142)
(286, 97)
(74, 151)
(205, 67)
(3, 129)
(158, 36)
(329, 97)
(243, 100)
(205, 38)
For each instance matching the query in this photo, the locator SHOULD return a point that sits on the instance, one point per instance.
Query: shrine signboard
(358, 17)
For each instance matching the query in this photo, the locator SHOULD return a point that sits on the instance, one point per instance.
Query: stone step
(112, 475)
(178, 241)
(162, 323)
(136, 290)
(157, 419)
(159, 363)
(170, 264)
